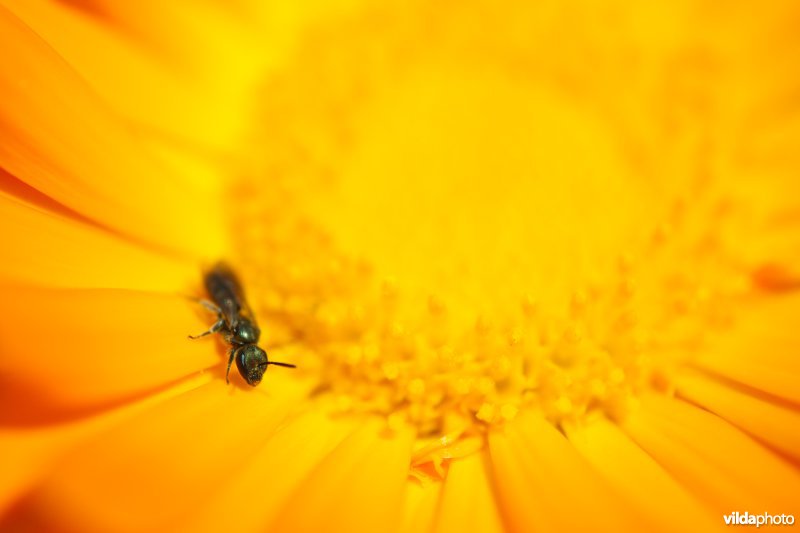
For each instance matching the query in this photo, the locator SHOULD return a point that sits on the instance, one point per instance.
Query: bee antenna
(287, 365)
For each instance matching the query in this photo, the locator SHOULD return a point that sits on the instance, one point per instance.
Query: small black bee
(237, 325)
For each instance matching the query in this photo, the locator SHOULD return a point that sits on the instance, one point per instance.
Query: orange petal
(37, 449)
(776, 277)
(146, 91)
(763, 417)
(760, 351)
(358, 488)
(67, 350)
(150, 472)
(48, 246)
(58, 137)
(643, 483)
(715, 461)
(543, 484)
(215, 44)
(280, 466)
(467, 502)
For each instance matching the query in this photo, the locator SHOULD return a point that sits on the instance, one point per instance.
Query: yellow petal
(96, 346)
(44, 244)
(543, 484)
(38, 448)
(641, 481)
(358, 488)
(763, 417)
(420, 506)
(59, 138)
(715, 461)
(257, 493)
(467, 502)
(156, 468)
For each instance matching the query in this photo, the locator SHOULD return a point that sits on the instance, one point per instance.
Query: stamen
(372, 353)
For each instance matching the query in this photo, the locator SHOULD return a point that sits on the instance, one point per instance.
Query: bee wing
(246, 312)
(230, 311)
(235, 306)
(226, 291)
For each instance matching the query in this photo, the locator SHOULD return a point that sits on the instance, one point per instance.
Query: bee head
(251, 362)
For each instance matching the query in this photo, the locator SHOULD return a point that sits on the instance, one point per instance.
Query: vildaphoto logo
(764, 519)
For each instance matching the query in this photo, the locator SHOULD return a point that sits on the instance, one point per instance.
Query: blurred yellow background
(536, 263)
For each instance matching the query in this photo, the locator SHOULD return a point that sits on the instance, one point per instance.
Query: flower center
(376, 345)
(492, 255)
(446, 249)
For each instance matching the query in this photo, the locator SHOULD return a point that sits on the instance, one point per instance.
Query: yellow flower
(536, 264)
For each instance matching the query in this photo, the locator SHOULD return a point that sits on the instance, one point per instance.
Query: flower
(536, 265)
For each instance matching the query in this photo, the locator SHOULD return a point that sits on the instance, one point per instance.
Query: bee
(237, 325)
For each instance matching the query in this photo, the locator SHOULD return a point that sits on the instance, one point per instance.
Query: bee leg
(231, 353)
(214, 308)
(210, 306)
(215, 328)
